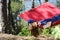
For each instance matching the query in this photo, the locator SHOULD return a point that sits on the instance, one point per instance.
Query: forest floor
(14, 37)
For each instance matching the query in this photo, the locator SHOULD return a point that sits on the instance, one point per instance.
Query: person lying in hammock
(34, 29)
(43, 24)
(33, 26)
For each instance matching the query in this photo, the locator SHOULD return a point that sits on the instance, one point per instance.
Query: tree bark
(1, 17)
(4, 11)
(33, 4)
(46, 0)
(40, 2)
(7, 17)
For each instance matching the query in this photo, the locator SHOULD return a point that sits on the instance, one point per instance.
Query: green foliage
(15, 6)
(47, 31)
(56, 31)
(25, 31)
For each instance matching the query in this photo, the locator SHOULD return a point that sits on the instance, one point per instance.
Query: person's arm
(47, 25)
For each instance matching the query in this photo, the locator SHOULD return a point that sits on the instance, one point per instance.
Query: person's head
(32, 25)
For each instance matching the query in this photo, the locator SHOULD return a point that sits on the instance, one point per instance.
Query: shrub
(25, 31)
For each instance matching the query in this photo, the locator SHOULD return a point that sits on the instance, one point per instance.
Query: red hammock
(45, 11)
(42, 12)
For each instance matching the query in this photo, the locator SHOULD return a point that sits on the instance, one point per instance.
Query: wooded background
(10, 22)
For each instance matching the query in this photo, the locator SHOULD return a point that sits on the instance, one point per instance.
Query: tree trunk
(10, 28)
(33, 4)
(40, 2)
(13, 28)
(1, 16)
(6, 28)
(58, 3)
(7, 16)
(46, 0)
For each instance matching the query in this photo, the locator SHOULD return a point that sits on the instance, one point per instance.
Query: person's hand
(39, 23)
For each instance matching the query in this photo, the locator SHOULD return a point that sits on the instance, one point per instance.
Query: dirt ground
(14, 37)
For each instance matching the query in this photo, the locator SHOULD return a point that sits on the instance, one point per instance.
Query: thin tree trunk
(1, 17)
(9, 18)
(33, 4)
(40, 2)
(13, 27)
(46, 0)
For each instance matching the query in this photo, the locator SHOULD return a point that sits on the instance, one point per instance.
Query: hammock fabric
(43, 14)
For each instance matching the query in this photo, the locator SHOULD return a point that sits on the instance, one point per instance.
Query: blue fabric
(44, 22)
(56, 18)
(31, 21)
